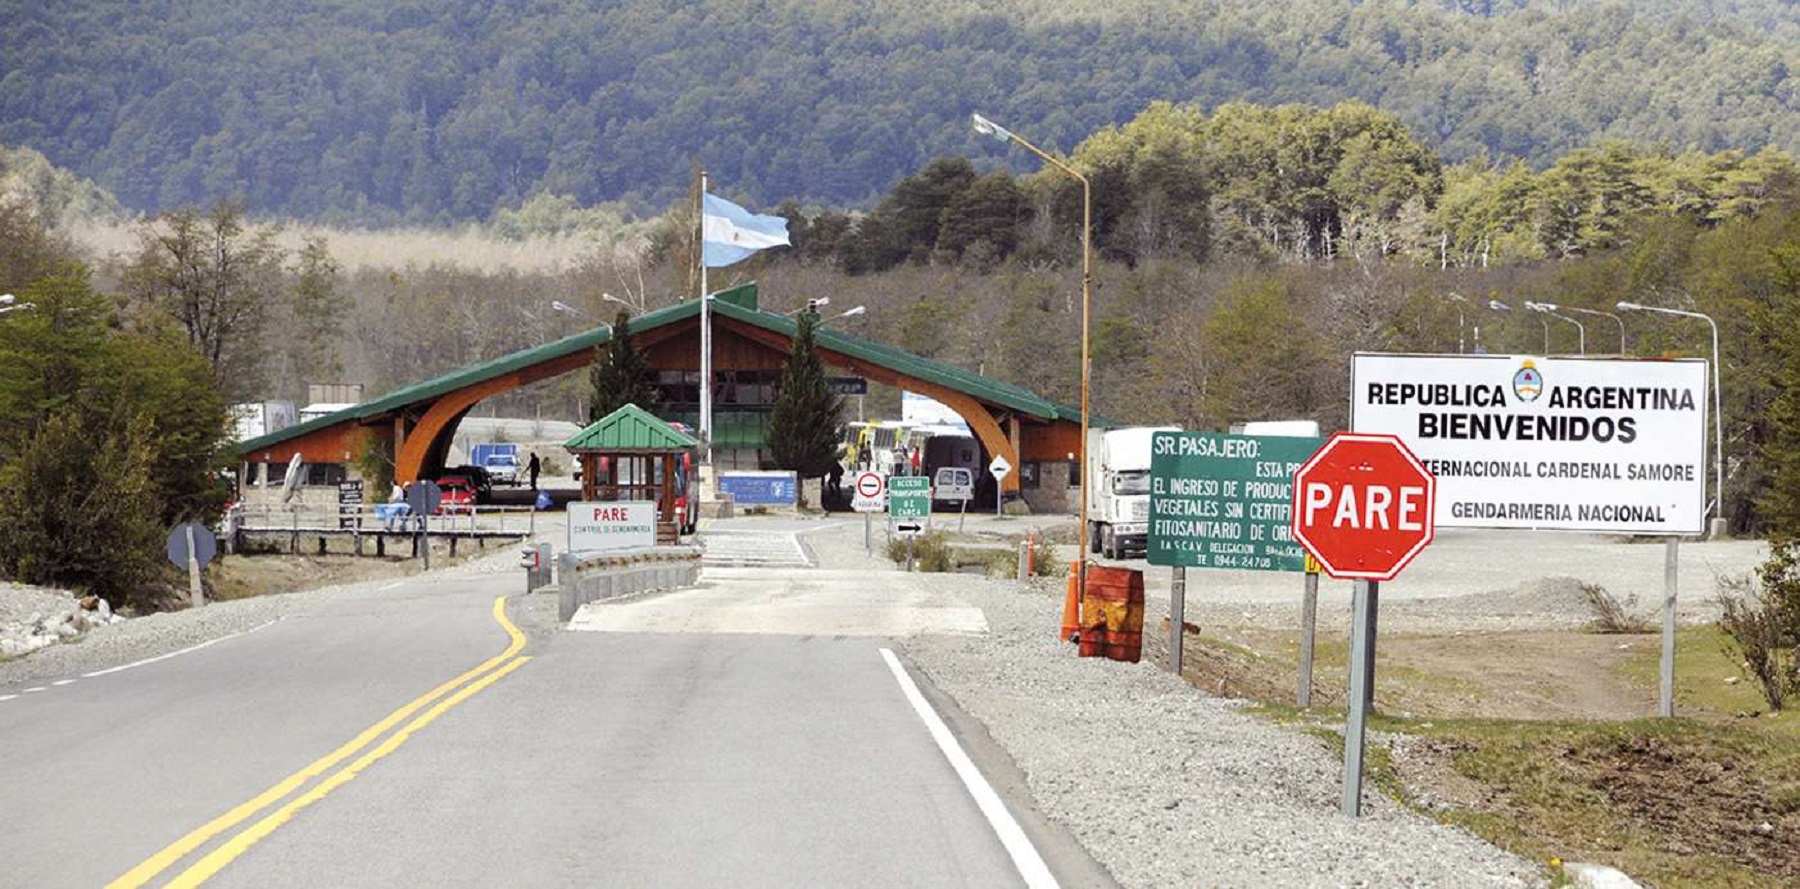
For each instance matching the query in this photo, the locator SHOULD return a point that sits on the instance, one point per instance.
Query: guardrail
(590, 577)
(479, 523)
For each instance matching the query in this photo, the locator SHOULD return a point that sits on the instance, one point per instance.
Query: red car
(459, 496)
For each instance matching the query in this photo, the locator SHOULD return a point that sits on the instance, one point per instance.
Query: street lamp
(1493, 305)
(635, 307)
(1460, 303)
(812, 305)
(1616, 319)
(10, 303)
(1001, 134)
(845, 314)
(1718, 407)
(1550, 309)
(561, 306)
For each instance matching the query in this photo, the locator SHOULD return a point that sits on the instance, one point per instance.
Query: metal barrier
(479, 523)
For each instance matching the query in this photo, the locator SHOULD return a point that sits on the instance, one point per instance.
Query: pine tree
(805, 426)
(1780, 501)
(621, 376)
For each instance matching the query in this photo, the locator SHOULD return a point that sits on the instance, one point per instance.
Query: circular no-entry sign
(1364, 506)
(870, 484)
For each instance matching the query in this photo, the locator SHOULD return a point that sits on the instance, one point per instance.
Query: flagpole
(706, 373)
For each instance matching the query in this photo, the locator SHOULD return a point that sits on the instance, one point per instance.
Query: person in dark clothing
(533, 468)
(836, 482)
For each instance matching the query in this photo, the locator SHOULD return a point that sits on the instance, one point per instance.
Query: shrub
(1610, 614)
(931, 552)
(83, 509)
(1762, 620)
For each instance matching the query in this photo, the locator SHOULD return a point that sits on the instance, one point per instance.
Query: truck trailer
(1118, 478)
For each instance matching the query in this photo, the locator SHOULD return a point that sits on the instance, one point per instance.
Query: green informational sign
(909, 497)
(1223, 501)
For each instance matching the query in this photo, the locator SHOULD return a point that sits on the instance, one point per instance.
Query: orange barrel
(1112, 614)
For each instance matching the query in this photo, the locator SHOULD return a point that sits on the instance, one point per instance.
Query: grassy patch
(1671, 802)
(1708, 800)
(1701, 690)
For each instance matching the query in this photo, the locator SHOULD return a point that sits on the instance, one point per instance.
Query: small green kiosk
(630, 454)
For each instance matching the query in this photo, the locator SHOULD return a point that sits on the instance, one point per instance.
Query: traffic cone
(1071, 619)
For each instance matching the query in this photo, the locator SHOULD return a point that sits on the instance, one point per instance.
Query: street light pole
(1616, 319)
(1551, 309)
(989, 128)
(1718, 407)
(1460, 304)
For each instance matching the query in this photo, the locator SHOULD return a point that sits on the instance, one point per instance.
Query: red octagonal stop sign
(1363, 506)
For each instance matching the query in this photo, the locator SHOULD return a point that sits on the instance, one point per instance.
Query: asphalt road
(336, 748)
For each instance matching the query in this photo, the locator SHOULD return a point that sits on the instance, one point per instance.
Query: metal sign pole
(425, 536)
(909, 551)
(198, 597)
(1671, 581)
(962, 514)
(1177, 615)
(1362, 678)
(1309, 625)
(868, 547)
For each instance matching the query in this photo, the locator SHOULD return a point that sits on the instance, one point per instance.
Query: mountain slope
(349, 110)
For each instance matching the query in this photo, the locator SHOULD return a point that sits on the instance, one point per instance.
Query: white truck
(1118, 478)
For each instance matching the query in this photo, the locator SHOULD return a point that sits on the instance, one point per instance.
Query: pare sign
(601, 527)
(1363, 506)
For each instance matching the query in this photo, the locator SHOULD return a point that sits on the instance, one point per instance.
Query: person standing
(532, 468)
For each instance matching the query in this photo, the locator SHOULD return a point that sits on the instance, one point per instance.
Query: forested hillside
(429, 112)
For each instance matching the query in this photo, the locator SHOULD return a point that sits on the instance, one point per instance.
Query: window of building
(1028, 474)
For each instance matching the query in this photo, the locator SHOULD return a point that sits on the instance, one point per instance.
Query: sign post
(1309, 625)
(999, 468)
(350, 504)
(1221, 501)
(424, 498)
(191, 546)
(1597, 445)
(1363, 506)
(909, 507)
(869, 497)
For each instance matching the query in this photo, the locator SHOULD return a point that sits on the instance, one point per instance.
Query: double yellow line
(464, 687)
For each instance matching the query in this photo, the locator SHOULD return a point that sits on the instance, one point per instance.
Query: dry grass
(468, 247)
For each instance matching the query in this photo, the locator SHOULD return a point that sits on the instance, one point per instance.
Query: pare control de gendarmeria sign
(1610, 445)
(600, 527)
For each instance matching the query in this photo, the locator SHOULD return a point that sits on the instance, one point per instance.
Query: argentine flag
(731, 233)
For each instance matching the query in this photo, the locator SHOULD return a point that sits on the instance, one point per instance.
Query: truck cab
(1118, 477)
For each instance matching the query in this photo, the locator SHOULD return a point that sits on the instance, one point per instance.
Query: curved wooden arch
(987, 430)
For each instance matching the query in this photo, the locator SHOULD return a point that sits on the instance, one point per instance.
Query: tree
(805, 427)
(217, 279)
(318, 313)
(621, 375)
(109, 434)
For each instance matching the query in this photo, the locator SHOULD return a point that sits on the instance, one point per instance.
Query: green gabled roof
(630, 428)
(474, 373)
(927, 369)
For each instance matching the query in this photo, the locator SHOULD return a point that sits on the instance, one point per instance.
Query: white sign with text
(1610, 445)
(603, 527)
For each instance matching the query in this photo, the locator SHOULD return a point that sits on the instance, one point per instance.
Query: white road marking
(63, 682)
(1024, 855)
(164, 657)
(34, 690)
(7, 697)
(390, 586)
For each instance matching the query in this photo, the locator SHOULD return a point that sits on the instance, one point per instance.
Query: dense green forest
(348, 111)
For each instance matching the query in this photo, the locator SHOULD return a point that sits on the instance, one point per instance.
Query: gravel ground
(1168, 786)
